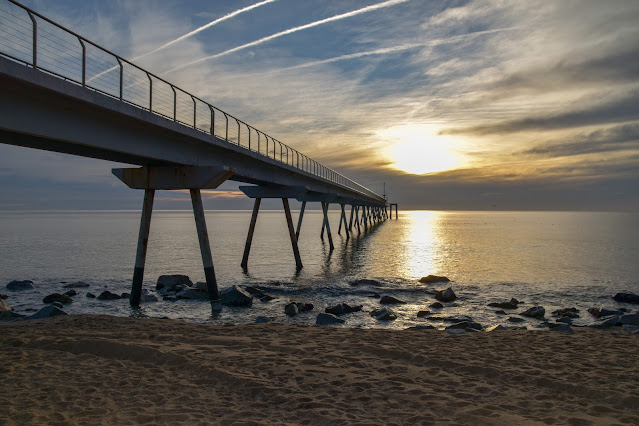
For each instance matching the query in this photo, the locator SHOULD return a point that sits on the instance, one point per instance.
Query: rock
(3, 296)
(305, 307)
(629, 319)
(107, 295)
(603, 312)
(57, 297)
(458, 326)
(422, 327)
(422, 314)
(433, 279)
(58, 305)
(501, 313)
(374, 295)
(291, 309)
(125, 295)
(565, 320)
(261, 320)
(505, 305)
(78, 284)
(4, 307)
(384, 314)
(169, 283)
(71, 293)
(192, 294)
(566, 312)
(147, 297)
(626, 298)
(235, 296)
(328, 319)
(256, 292)
(390, 300)
(90, 295)
(562, 328)
(498, 327)
(516, 319)
(342, 308)
(46, 312)
(200, 285)
(535, 312)
(436, 305)
(20, 285)
(365, 282)
(447, 295)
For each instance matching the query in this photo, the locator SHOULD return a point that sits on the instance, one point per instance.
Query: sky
(471, 105)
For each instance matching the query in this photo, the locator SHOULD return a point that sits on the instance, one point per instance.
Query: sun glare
(419, 149)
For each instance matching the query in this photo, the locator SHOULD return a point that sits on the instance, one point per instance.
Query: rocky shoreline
(510, 315)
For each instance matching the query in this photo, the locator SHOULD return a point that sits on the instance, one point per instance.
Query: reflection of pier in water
(63, 93)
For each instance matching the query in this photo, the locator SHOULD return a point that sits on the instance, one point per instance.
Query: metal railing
(32, 39)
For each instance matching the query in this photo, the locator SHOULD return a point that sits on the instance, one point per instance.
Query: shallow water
(551, 259)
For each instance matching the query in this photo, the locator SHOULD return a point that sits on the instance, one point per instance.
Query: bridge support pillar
(299, 220)
(343, 219)
(328, 226)
(291, 232)
(249, 236)
(143, 241)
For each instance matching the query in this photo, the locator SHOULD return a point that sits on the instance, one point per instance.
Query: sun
(419, 149)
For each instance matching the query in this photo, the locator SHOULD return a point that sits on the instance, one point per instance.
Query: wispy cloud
(293, 30)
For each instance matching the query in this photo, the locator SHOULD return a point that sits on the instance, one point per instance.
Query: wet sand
(109, 370)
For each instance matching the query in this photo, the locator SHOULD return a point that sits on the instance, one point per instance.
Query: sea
(551, 259)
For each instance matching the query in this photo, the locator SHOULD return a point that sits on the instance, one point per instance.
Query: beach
(88, 369)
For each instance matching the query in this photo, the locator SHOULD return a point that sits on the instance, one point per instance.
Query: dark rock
(20, 285)
(384, 314)
(535, 312)
(3, 296)
(46, 312)
(58, 305)
(433, 279)
(365, 282)
(498, 327)
(328, 319)
(78, 284)
(71, 293)
(261, 320)
(172, 283)
(201, 285)
(562, 328)
(458, 326)
(501, 313)
(436, 305)
(235, 296)
(256, 292)
(90, 295)
(374, 295)
(390, 300)
(421, 314)
(57, 297)
(566, 312)
(505, 305)
(342, 308)
(629, 319)
(305, 307)
(192, 294)
(447, 295)
(565, 320)
(147, 297)
(516, 319)
(107, 295)
(603, 312)
(125, 295)
(4, 307)
(422, 327)
(291, 309)
(626, 298)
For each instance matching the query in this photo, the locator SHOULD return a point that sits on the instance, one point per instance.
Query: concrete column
(328, 226)
(291, 231)
(249, 236)
(299, 221)
(350, 222)
(143, 241)
(205, 250)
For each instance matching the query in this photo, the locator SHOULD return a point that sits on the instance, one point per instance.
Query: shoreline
(107, 369)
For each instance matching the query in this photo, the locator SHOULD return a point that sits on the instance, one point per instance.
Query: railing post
(227, 127)
(194, 112)
(174, 103)
(212, 120)
(238, 131)
(150, 92)
(84, 62)
(121, 77)
(35, 40)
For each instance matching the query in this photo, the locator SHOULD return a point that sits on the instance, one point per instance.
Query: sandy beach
(83, 369)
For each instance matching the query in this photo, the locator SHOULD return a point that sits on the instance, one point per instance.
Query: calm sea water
(556, 260)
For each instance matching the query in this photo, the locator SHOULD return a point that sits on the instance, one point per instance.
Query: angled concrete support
(249, 236)
(143, 241)
(343, 220)
(291, 232)
(357, 220)
(299, 220)
(350, 222)
(205, 250)
(328, 226)
(365, 218)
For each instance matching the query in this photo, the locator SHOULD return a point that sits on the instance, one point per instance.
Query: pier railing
(32, 39)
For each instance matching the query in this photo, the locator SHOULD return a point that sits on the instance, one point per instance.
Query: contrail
(192, 33)
(294, 30)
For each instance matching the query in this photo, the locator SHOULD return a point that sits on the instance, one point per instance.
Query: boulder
(342, 308)
(169, 283)
(516, 319)
(46, 312)
(436, 305)
(422, 314)
(447, 295)
(562, 328)
(365, 282)
(498, 327)
(433, 279)
(125, 295)
(90, 295)
(57, 297)
(3, 296)
(626, 298)
(458, 326)
(565, 320)
(71, 293)
(192, 294)
(389, 300)
(235, 296)
(58, 305)
(107, 295)
(501, 312)
(512, 304)
(256, 292)
(78, 284)
(147, 297)
(603, 312)
(305, 307)
(328, 319)
(384, 314)
(629, 319)
(374, 295)
(291, 309)
(20, 285)
(537, 312)
(4, 307)
(566, 312)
